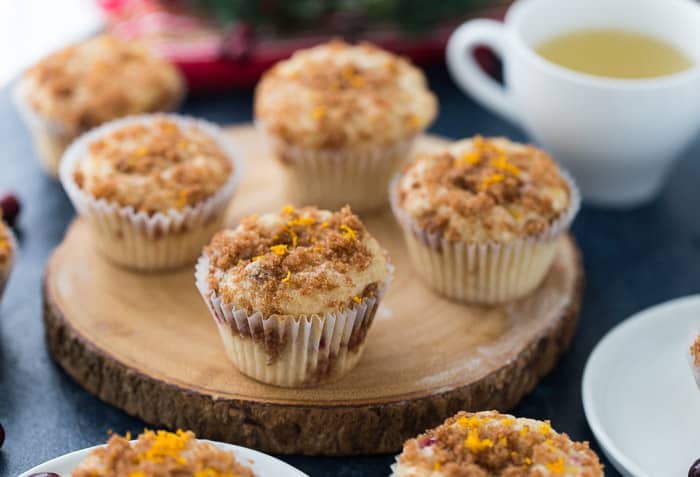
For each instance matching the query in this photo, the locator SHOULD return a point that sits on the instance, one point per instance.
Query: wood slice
(147, 344)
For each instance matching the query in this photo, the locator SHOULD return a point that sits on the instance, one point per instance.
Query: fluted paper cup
(332, 178)
(290, 351)
(485, 273)
(159, 241)
(394, 466)
(50, 138)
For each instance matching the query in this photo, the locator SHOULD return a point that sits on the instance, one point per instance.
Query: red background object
(214, 57)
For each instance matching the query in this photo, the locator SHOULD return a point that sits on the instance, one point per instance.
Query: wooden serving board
(147, 344)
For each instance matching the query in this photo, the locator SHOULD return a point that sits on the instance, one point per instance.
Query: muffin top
(89, 83)
(337, 95)
(5, 243)
(492, 444)
(161, 454)
(297, 262)
(479, 190)
(695, 350)
(153, 166)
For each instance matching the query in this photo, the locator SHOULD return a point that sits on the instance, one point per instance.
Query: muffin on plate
(162, 454)
(153, 188)
(694, 358)
(7, 254)
(342, 120)
(293, 294)
(492, 444)
(483, 217)
(89, 83)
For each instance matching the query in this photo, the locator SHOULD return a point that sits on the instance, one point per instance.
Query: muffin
(293, 294)
(7, 254)
(90, 83)
(162, 454)
(342, 120)
(153, 188)
(694, 359)
(483, 217)
(492, 444)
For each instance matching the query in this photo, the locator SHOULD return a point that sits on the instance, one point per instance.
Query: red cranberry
(45, 474)
(694, 470)
(426, 442)
(9, 204)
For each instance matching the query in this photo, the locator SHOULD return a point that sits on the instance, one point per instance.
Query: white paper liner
(162, 240)
(332, 178)
(6, 269)
(314, 347)
(483, 273)
(394, 466)
(50, 137)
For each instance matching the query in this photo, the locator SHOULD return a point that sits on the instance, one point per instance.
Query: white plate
(262, 464)
(639, 394)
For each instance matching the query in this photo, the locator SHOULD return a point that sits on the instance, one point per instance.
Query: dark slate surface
(633, 259)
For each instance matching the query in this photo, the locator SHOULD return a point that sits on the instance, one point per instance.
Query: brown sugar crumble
(161, 454)
(695, 350)
(5, 243)
(484, 189)
(154, 167)
(301, 261)
(336, 94)
(489, 444)
(87, 84)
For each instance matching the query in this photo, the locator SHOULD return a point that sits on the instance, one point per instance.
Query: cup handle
(469, 75)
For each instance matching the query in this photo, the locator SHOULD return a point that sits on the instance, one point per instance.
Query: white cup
(619, 137)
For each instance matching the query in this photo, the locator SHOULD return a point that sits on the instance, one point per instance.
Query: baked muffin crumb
(300, 261)
(161, 454)
(5, 243)
(339, 95)
(153, 167)
(490, 444)
(480, 190)
(695, 350)
(89, 83)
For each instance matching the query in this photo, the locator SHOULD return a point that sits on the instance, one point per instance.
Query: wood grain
(146, 344)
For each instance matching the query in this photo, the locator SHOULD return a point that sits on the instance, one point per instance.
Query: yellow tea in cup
(614, 54)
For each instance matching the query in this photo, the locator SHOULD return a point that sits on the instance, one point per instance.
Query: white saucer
(263, 465)
(639, 394)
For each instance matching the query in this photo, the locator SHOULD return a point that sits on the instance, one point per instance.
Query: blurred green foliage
(292, 16)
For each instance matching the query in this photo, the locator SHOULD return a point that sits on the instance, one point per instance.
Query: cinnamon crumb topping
(154, 167)
(103, 78)
(337, 95)
(695, 350)
(5, 243)
(492, 444)
(297, 262)
(484, 189)
(161, 454)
